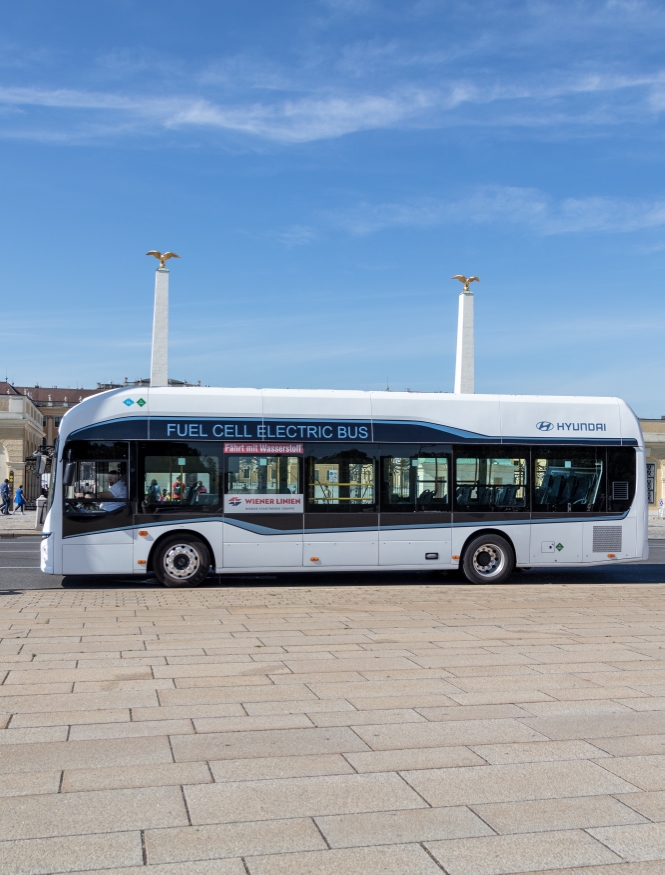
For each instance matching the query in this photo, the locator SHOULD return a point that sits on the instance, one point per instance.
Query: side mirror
(70, 474)
(40, 464)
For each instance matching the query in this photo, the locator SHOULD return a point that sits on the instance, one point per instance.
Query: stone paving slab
(233, 840)
(401, 730)
(496, 855)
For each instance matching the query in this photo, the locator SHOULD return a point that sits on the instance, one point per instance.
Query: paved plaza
(272, 729)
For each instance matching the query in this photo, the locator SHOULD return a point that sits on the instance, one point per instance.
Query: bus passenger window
(491, 482)
(179, 475)
(569, 480)
(342, 481)
(262, 475)
(97, 479)
(419, 482)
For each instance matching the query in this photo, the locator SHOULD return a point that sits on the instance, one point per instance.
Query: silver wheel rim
(488, 560)
(182, 561)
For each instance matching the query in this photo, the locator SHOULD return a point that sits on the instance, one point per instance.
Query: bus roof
(520, 417)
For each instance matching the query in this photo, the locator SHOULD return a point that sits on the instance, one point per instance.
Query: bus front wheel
(181, 560)
(488, 559)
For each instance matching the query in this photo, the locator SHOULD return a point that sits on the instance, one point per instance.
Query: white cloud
(304, 120)
(296, 235)
(286, 121)
(513, 205)
(323, 90)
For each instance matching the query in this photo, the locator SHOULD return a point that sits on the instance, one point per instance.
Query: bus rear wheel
(181, 561)
(488, 559)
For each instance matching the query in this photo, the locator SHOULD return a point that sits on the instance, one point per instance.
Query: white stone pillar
(464, 377)
(159, 366)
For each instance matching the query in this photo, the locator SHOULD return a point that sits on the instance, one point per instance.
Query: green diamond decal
(559, 546)
(141, 402)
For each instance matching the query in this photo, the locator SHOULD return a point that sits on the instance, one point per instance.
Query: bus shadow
(639, 572)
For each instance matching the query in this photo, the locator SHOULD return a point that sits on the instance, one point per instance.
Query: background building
(21, 433)
(654, 441)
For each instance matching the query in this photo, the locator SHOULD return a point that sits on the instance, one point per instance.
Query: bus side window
(569, 479)
(415, 482)
(262, 475)
(491, 479)
(178, 474)
(341, 481)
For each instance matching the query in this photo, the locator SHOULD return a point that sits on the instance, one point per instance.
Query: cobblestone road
(401, 730)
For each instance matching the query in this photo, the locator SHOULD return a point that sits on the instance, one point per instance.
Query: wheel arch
(189, 532)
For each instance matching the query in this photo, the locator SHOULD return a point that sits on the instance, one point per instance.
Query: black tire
(181, 561)
(488, 559)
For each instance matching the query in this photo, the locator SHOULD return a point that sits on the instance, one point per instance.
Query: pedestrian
(19, 501)
(4, 495)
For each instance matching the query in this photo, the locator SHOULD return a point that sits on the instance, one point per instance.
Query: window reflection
(262, 475)
(343, 480)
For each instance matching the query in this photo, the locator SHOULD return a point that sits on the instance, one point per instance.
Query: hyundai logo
(545, 426)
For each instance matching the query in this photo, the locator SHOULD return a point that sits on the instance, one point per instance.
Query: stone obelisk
(464, 376)
(159, 365)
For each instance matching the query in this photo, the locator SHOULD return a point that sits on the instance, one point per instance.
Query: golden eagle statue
(465, 280)
(162, 257)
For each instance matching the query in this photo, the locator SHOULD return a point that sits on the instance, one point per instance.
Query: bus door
(263, 505)
(415, 518)
(341, 513)
(96, 523)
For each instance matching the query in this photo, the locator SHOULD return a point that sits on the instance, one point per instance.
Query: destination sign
(258, 430)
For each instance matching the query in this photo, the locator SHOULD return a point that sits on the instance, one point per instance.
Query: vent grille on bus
(607, 539)
(620, 490)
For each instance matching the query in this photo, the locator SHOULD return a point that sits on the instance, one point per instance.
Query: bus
(182, 482)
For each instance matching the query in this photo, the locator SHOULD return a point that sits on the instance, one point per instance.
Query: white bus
(179, 482)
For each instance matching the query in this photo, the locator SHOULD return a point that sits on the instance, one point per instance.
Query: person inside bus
(117, 489)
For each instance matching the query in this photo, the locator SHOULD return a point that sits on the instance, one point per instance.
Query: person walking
(4, 495)
(19, 501)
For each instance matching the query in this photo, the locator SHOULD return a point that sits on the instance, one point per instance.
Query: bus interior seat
(463, 494)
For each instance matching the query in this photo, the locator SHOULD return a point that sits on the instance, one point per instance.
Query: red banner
(261, 449)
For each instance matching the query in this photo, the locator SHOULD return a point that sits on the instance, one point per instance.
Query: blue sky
(323, 168)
